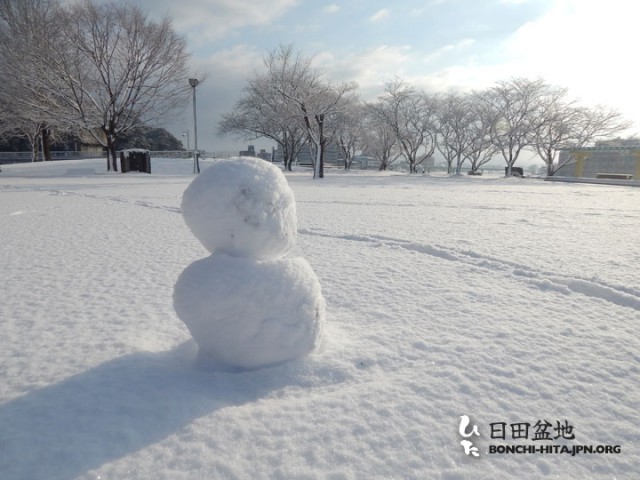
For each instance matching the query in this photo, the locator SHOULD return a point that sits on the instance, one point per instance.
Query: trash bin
(515, 171)
(135, 160)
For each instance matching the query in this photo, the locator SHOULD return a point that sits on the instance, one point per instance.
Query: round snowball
(243, 207)
(245, 313)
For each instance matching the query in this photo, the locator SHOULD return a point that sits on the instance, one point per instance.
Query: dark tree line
(149, 138)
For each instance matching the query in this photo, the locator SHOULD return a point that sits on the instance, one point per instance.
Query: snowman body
(246, 305)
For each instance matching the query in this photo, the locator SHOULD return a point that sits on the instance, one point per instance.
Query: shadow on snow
(119, 407)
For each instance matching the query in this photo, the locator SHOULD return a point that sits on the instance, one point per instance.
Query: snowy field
(513, 302)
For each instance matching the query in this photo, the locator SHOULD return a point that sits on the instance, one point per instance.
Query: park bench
(615, 176)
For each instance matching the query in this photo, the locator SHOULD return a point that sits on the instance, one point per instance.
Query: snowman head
(242, 207)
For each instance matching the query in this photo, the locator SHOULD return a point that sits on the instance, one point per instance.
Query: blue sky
(586, 46)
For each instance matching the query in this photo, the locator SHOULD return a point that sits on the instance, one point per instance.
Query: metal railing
(26, 157)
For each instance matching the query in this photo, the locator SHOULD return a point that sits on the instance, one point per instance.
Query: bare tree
(264, 112)
(380, 140)
(137, 68)
(563, 124)
(36, 133)
(598, 123)
(106, 69)
(314, 102)
(320, 105)
(556, 130)
(481, 149)
(291, 104)
(15, 122)
(349, 136)
(411, 116)
(556, 127)
(515, 105)
(591, 125)
(25, 26)
(455, 133)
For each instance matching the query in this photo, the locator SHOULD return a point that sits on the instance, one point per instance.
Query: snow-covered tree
(350, 132)
(558, 129)
(264, 112)
(380, 140)
(515, 106)
(590, 125)
(15, 122)
(411, 115)
(292, 104)
(321, 104)
(105, 69)
(455, 133)
(481, 149)
(563, 124)
(24, 28)
(315, 102)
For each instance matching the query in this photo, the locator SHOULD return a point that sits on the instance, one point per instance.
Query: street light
(196, 164)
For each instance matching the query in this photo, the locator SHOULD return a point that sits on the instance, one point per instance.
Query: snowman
(246, 305)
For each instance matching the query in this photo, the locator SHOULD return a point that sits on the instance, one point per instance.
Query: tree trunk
(114, 161)
(550, 171)
(111, 152)
(46, 144)
(35, 148)
(318, 166)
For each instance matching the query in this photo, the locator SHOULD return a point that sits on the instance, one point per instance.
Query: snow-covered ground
(510, 301)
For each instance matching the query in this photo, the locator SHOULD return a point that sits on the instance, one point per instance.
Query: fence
(26, 157)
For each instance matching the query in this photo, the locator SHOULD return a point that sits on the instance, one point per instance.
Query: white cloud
(226, 72)
(380, 15)
(371, 69)
(585, 47)
(206, 20)
(240, 59)
(448, 49)
(576, 44)
(331, 9)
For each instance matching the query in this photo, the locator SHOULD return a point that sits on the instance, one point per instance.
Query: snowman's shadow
(119, 407)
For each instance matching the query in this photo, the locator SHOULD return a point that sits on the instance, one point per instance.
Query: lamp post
(196, 164)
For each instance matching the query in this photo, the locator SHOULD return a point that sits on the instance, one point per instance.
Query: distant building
(365, 162)
(89, 144)
(619, 157)
(277, 155)
(264, 155)
(251, 152)
(331, 155)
